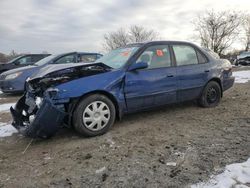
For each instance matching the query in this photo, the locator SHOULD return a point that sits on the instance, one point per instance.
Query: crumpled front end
(45, 108)
(37, 117)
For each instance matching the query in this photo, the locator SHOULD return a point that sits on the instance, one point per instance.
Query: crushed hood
(52, 75)
(56, 67)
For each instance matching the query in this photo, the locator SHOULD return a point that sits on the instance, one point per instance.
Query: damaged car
(243, 59)
(90, 97)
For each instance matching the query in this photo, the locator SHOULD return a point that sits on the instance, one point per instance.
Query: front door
(155, 85)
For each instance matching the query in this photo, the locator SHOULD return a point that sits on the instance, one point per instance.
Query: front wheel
(94, 115)
(211, 95)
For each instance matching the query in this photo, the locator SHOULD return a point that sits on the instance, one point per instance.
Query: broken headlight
(39, 101)
(52, 92)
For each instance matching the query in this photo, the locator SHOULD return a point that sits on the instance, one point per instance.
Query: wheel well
(110, 96)
(219, 82)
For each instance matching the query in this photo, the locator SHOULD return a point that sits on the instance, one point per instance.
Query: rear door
(192, 71)
(155, 85)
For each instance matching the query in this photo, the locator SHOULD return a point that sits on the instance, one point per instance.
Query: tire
(94, 115)
(211, 95)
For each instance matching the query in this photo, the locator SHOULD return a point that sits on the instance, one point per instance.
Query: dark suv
(243, 58)
(22, 61)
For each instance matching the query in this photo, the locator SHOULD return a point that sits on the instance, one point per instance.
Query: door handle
(206, 71)
(170, 76)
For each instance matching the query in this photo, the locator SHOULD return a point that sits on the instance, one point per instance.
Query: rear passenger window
(156, 57)
(185, 55)
(36, 58)
(202, 59)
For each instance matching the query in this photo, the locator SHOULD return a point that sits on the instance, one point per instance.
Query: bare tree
(116, 39)
(12, 54)
(141, 34)
(217, 30)
(246, 28)
(122, 37)
(3, 58)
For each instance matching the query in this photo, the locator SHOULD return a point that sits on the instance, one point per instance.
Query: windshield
(243, 55)
(118, 57)
(45, 60)
(11, 61)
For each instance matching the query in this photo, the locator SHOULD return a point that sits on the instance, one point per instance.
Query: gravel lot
(174, 146)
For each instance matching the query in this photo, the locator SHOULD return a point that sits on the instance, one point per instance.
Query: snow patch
(6, 106)
(235, 175)
(242, 76)
(171, 164)
(100, 170)
(6, 130)
(111, 142)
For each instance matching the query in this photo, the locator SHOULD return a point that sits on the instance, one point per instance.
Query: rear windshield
(243, 55)
(212, 53)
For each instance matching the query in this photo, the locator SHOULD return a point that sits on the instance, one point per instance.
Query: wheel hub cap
(96, 115)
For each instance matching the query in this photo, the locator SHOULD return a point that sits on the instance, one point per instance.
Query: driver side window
(24, 60)
(156, 57)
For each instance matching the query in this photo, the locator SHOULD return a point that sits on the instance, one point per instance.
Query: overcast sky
(67, 25)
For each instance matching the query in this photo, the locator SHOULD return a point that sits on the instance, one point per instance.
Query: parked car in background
(21, 61)
(13, 81)
(243, 59)
(89, 97)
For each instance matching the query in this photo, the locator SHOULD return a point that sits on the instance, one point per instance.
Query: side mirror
(139, 65)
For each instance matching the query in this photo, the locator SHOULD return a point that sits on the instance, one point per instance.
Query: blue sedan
(136, 77)
(13, 81)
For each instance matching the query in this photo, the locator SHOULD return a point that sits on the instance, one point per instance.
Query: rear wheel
(211, 95)
(94, 115)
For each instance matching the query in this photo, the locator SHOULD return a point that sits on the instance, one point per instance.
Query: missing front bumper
(48, 119)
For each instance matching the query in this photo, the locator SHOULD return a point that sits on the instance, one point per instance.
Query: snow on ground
(235, 175)
(6, 130)
(6, 106)
(242, 76)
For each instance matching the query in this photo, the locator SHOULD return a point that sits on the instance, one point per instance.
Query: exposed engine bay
(40, 84)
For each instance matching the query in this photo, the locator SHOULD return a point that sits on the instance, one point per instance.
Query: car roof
(32, 54)
(157, 42)
(62, 54)
(78, 53)
(88, 53)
